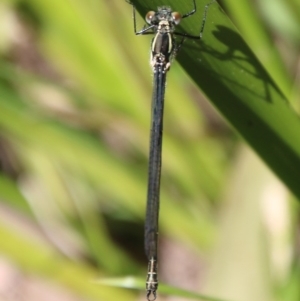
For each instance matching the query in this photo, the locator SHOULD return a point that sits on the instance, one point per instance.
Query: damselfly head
(163, 13)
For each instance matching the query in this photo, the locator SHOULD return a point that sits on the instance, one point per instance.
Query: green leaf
(238, 85)
(137, 283)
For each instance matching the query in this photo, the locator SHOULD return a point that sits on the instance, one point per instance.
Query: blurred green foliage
(75, 91)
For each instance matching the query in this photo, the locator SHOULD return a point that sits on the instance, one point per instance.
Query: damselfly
(162, 24)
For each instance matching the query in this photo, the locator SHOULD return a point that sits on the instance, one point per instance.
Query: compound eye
(149, 16)
(176, 17)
